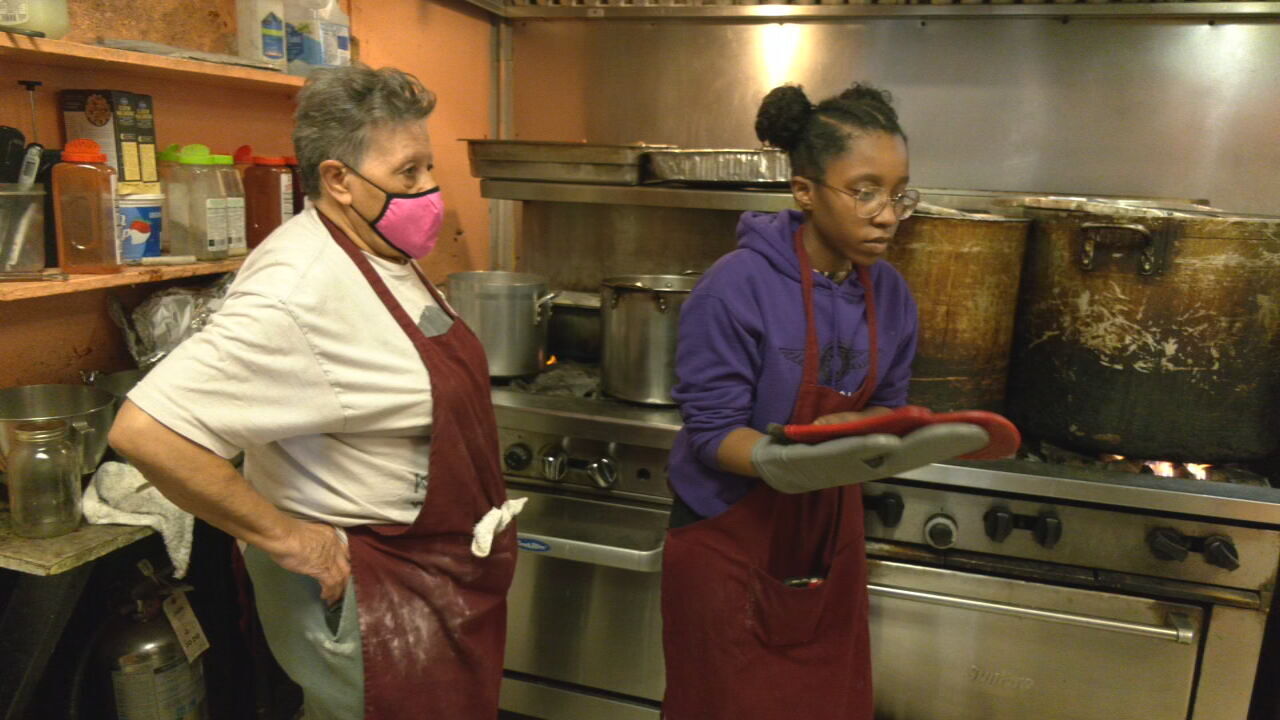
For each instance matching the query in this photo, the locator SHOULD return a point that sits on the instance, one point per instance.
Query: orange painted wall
(446, 44)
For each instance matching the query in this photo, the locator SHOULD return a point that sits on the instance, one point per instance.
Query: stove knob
(555, 463)
(1168, 544)
(1048, 529)
(940, 531)
(518, 457)
(604, 473)
(999, 523)
(1220, 551)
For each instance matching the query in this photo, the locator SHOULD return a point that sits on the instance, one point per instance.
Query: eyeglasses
(871, 201)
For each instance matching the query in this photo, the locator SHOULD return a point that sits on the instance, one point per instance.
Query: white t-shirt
(306, 371)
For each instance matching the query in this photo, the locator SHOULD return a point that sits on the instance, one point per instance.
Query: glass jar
(43, 470)
(85, 212)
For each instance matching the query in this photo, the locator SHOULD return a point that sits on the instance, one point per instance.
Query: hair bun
(782, 117)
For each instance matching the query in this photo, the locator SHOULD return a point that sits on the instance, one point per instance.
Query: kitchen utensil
(640, 322)
(87, 411)
(1003, 443)
(508, 311)
(963, 270)
(1150, 334)
(719, 167)
(556, 161)
(31, 86)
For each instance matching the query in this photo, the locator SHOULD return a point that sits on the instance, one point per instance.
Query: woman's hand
(845, 417)
(316, 550)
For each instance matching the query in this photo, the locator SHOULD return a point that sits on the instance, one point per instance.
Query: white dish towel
(120, 495)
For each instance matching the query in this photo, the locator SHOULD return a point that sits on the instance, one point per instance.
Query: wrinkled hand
(796, 468)
(845, 417)
(316, 550)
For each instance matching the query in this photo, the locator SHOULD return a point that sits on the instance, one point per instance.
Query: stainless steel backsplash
(1170, 108)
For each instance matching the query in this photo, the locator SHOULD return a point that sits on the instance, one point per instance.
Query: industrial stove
(1043, 587)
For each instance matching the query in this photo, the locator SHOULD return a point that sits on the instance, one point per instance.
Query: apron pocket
(785, 615)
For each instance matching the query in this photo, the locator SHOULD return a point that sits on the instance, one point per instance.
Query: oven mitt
(797, 468)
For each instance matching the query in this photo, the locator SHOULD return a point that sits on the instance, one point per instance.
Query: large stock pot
(640, 324)
(508, 311)
(1148, 333)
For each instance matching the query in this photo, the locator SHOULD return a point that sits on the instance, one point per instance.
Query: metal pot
(963, 271)
(117, 383)
(1151, 335)
(640, 317)
(574, 330)
(508, 312)
(87, 411)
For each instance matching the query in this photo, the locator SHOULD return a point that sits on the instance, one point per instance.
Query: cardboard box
(145, 121)
(107, 117)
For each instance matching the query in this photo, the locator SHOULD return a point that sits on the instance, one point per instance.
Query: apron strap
(812, 362)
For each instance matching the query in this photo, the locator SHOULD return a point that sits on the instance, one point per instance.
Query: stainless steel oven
(999, 590)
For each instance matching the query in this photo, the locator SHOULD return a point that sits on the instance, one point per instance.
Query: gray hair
(339, 106)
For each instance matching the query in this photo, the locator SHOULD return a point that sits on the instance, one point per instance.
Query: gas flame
(1163, 468)
(1107, 457)
(1199, 471)
(551, 361)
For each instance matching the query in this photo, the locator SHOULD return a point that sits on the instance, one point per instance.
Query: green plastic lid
(169, 154)
(195, 155)
(223, 160)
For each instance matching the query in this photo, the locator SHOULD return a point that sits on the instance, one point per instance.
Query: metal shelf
(655, 196)
(1238, 11)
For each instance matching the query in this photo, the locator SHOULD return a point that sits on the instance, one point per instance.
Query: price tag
(190, 635)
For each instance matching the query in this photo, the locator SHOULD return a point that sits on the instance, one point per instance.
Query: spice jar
(43, 469)
(268, 189)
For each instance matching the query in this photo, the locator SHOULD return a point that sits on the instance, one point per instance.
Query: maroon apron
(433, 617)
(739, 643)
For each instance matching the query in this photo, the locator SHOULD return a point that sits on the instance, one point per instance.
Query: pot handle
(80, 431)
(541, 304)
(1092, 238)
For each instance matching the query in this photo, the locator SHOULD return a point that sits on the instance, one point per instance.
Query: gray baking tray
(556, 161)
(718, 167)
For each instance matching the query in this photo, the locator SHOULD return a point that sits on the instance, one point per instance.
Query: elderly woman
(371, 510)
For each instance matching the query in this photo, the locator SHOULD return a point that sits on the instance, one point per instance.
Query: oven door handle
(592, 553)
(1179, 629)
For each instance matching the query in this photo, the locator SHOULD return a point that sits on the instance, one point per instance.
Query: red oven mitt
(1004, 442)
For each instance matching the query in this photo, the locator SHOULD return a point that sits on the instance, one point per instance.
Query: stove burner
(564, 379)
(1049, 453)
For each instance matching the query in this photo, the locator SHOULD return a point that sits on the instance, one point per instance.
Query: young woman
(764, 577)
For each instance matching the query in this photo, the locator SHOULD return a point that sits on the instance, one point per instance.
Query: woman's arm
(209, 487)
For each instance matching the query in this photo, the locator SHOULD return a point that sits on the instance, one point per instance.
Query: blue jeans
(317, 647)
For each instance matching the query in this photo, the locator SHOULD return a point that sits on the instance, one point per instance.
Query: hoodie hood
(772, 235)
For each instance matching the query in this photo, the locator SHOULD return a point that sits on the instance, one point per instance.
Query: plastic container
(244, 159)
(46, 16)
(260, 31)
(21, 228)
(84, 206)
(43, 473)
(206, 235)
(141, 221)
(167, 160)
(233, 189)
(317, 34)
(268, 187)
(299, 193)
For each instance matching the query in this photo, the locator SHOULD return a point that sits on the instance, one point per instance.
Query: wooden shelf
(567, 9)
(131, 275)
(61, 53)
(50, 556)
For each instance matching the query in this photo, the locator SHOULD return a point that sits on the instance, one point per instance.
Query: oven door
(950, 645)
(584, 628)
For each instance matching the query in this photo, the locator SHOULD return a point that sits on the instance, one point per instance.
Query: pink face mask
(410, 223)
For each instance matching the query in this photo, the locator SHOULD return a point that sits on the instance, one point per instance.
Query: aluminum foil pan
(557, 161)
(719, 167)
(1108, 206)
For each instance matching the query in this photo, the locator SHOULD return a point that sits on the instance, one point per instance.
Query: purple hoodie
(741, 351)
